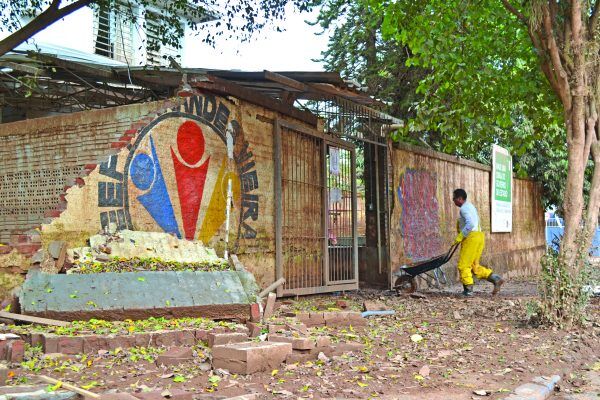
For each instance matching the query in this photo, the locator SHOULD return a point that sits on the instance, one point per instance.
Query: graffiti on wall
(419, 215)
(175, 176)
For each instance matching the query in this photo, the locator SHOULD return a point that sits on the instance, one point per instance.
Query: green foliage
(117, 264)
(238, 19)
(463, 80)
(563, 298)
(102, 327)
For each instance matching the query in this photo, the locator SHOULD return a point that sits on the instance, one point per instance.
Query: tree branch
(561, 76)
(513, 10)
(39, 23)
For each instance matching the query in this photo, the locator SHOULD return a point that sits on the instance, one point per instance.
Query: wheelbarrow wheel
(405, 284)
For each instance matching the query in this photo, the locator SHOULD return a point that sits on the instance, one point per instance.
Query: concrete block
(216, 339)
(250, 357)
(174, 356)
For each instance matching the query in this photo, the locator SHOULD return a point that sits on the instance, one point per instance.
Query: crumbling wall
(162, 166)
(423, 218)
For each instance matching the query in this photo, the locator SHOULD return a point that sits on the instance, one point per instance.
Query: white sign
(334, 161)
(501, 190)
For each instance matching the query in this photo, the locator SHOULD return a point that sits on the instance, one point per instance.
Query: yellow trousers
(468, 261)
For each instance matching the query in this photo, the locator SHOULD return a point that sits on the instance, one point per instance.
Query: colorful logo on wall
(419, 218)
(176, 175)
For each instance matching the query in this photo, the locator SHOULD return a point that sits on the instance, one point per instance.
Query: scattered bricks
(15, 350)
(165, 338)
(69, 345)
(175, 356)
(36, 339)
(275, 328)
(175, 394)
(341, 303)
(50, 344)
(270, 307)
(298, 343)
(250, 357)
(255, 312)
(344, 318)
(316, 319)
(120, 342)
(304, 318)
(93, 343)
(300, 357)
(370, 305)
(201, 335)
(356, 319)
(217, 339)
(143, 339)
(186, 338)
(323, 341)
(242, 329)
(254, 329)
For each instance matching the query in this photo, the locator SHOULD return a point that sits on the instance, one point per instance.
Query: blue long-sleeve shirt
(468, 221)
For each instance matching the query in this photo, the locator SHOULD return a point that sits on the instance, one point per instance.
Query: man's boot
(497, 281)
(467, 290)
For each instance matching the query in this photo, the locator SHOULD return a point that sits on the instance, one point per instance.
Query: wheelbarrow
(406, 275)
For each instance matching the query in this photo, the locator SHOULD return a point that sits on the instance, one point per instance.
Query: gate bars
(316, 247)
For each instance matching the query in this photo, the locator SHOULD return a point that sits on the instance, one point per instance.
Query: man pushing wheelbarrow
(472, 242)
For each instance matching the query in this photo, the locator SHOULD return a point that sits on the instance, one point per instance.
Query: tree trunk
(49, 16)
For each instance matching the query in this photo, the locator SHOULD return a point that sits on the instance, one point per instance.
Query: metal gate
(315, 211)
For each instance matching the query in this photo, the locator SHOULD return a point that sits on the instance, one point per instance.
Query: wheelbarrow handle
(451, 252)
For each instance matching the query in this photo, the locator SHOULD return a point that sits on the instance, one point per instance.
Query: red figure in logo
(189, 175)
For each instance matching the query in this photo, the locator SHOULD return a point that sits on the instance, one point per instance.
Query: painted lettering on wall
(175, 177)
(419, 216)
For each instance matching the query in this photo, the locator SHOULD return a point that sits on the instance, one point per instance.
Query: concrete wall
(423, 219)
(161, 166)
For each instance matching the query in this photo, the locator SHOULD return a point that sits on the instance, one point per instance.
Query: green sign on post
(501, 190)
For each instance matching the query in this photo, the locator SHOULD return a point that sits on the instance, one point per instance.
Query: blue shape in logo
(146, 174)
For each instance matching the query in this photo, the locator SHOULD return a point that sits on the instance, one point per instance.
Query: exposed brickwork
(43, 158)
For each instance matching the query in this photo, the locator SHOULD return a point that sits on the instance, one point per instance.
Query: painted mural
(419, 215)
(174, 177)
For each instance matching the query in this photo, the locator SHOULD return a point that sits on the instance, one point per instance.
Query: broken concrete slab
(250, 357)
(138, 295)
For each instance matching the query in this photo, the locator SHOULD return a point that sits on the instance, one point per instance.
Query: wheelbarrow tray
(424, 266)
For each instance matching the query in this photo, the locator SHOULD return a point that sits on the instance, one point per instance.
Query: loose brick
(186, 338)
(15, 350)
(255, 312)
(300, 357)
(50, 344)
(143, 339)
(371, 305)
(316, 319)
(69, 345)
(215, 339)
(120, 342)
(174, 356)
(253, 329)
(298, 343)
(165, 338)
(201, 335)
(323, 341)
(37, 339)
(93, 343)
(250, 357)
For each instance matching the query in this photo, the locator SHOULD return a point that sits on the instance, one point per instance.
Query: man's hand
(459, 238)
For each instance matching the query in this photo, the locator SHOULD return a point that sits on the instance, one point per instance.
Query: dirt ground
(439, 346)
